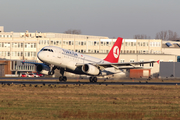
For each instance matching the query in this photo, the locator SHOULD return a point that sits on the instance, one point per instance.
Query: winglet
(158, 61)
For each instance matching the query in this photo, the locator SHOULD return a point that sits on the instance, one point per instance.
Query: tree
(142, 36)
(166, 35)
(73, 31)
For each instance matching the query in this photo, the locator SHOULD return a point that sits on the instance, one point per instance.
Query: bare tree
(142, 36)
(166, 35)
(73, 31)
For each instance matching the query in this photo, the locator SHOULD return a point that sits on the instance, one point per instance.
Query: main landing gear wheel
(63, 78)
(93, 79)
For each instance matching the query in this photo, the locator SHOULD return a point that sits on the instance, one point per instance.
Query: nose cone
(40, 56)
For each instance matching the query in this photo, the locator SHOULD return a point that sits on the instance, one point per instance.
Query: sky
(111, 18)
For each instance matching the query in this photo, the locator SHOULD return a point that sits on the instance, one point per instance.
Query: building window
(21, 53)
(28, 54)
(25, 45)
(131, 60)
(95, 43)
(107, 43)
(69, 42)
(81, 43)
(76, 43)
(64, 42)
(19, 45)
(18, 53)
(8, 53)
(32, 45)
(101, 43)
(144, 44)
(122, 61)
(44, 41)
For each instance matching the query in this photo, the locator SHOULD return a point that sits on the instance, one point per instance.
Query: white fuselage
(68, 60)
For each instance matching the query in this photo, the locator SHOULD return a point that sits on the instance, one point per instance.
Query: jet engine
(42, 68)
(90, 69)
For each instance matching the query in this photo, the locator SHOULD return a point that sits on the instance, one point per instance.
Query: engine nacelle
(42, 68)
(90, 69)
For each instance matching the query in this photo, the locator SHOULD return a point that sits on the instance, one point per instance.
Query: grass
(89, 102)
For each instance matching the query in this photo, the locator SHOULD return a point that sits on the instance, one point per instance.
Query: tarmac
(75, 81)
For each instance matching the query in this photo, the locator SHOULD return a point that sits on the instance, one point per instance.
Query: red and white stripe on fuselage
(113, 55)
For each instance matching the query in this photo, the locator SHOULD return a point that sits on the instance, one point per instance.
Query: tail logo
(116, 51)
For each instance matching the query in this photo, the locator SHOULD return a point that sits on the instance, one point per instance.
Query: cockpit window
(50, 50)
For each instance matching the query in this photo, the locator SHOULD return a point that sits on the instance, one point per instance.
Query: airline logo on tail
(114, 53)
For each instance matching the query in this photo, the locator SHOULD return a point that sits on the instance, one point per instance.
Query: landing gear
(62, 77)
(93, 79)
(51, 72)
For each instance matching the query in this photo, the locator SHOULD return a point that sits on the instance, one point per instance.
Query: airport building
(19, 46)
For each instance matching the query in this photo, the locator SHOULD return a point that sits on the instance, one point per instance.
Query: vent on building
(168, 44)
(177, 44)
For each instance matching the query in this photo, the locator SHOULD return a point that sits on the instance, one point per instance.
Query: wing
(126, 65)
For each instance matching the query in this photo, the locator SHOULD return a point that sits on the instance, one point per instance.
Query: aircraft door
(81, 59)
(60, 57)
(55, 56)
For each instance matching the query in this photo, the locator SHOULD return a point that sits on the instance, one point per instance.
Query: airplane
(64, 60)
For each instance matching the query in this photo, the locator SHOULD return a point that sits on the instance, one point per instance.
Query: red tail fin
(114, 53)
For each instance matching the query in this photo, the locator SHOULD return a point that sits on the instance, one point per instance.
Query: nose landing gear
(51, 72)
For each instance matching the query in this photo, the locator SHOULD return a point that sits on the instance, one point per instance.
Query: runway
(88, 83)
(75, 81)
